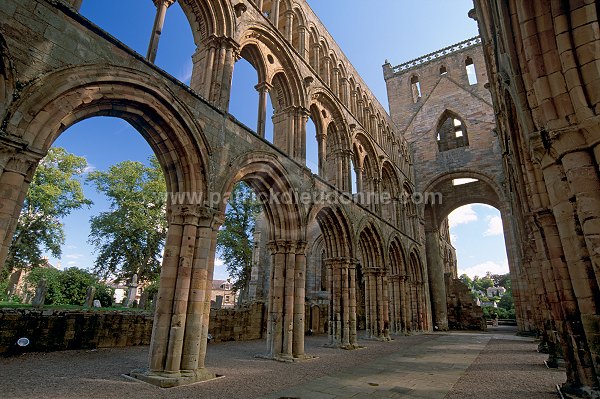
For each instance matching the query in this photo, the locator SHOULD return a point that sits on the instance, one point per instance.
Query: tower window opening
(415, 87)
(471, 73)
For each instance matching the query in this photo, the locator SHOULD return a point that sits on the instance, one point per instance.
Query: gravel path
(97, 374)
(508, 369)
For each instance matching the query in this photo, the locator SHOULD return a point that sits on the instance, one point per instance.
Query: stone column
(335, 85)
(275, 13)
(289, 25)
(344, 92)
(437, 285)
(322, 151)
(198, 310)
(303, 50)
(301, 116)
(299, 300)
(359, 178)
(342, 314)
(325, 73)
(213, 70)
(263, 91)
(16, 172)
(159, 20)
(176, 353)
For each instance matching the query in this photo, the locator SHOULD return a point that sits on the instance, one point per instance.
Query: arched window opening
(176, 47)
(415, 88)
(443, 70)
(313, 150)
(353, 177)
(451, 133)
(471, 73)
(244, 94)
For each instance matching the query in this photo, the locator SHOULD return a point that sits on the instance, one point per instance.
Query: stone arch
(299, 30)
(332, 139)
(397, 287)
(451, 131)
(287, 233)
(146, 104)
(209, 18)
(390, 193)
(58, 100)
(314, 49)
(251, 53)
(371, 261)
(341, 275)
(7, 78)
(416, 282)
(367, 168)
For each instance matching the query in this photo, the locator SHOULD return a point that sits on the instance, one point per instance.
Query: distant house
(223, 294)
(496, 291)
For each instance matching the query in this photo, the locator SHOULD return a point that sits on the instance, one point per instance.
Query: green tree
(235, 238)
(54, 295)
(129, 238)
(74, 283)
(466, 280)
(55, 191)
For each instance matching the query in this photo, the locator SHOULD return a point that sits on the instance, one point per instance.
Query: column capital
(158, 3)
(280, 246)
(263, 86)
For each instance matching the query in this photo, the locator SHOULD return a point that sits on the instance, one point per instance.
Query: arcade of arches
(515, 110)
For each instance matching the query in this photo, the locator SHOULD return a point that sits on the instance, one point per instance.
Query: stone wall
(244, 324)
(463, 313)
(54, 330)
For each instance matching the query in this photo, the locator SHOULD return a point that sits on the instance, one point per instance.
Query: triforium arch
(279, 77)
(287, 244)
(57, 101)
(341, 276)
(374, 282)
(390, 194)
(213, 24)
(366, 165)
(333, 140)
(399, 293)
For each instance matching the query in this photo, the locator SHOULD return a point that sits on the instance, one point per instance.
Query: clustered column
(376, 306)
(285, 323)
(342, 306)
(437, 284)
(213, 69)
(179, 334)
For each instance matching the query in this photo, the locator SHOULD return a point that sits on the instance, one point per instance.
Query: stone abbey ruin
(524, 127)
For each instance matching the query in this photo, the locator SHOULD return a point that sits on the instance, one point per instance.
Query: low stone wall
(54, 330)
(242, 324)
(463, 313)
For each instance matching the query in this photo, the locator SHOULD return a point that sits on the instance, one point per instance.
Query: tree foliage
(235, 238)
(129, 238)
(55, 191)
(69, 287)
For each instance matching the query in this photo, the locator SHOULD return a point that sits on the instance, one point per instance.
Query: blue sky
(368, 33)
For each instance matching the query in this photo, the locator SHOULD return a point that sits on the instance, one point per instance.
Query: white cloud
(219, 262)
(74, 256)
(89, 169)
(71, 263)
(494, 226)
(186, 73)
(463, 215)
(482, 268)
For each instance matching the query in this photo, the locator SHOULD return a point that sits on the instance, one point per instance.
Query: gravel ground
(508, 369)
(97, 374)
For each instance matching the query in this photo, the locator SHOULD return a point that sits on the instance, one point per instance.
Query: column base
(348, 347)
(568, 391)
(170, 380)
(286, 358)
